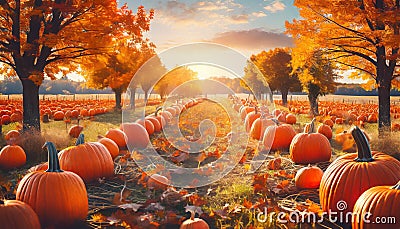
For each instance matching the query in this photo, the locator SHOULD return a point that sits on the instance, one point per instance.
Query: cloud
(259, 14)
(253, 39)
(275, 7)
(202, 13)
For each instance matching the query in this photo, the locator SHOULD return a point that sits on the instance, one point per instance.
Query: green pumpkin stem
(363, 148)
(54, 164)
(80, 140)
(397, 186)
(312, 126)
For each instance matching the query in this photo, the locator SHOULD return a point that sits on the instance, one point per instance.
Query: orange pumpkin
(258, 127)
(137, 136)
(75, 130)
(155, 122)
(194, 223)
(308, 177)
(58, 116)
(111, 146)
(15, 214)
(147, 124)
(278, 136)
(12, 135)
(250, 118)
(377, 202)
(89, 160)
(58, 197)
(350, 175)
(118, 136)
(310, 147)
(291, 119)
(158, 182)
(325, 130)
(12, 156)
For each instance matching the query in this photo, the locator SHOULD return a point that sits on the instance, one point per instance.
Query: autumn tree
(40, 38)
(117, 68)
(275, 66)
(253, 80)
(358, 35)
(174, 79)
(147, 77)
(317, 76)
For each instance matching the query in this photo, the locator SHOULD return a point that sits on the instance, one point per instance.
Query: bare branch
(373, 75)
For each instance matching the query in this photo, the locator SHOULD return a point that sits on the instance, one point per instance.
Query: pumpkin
(278, 136)
(258, 127)
(329, 122)
(58, 116)
(310, 147)
(111, 146)
(325, 130)
(350, 175)
(118, 136)
(12, 156)
(194, 223)
(372, 118)
(291, 119)
(308, 177)
(75, 130)
(155, 122)
(137, 136)
(12, 135)
(379, 201)
(58, 197)
(89, 160)
(250, 118)
(39, 167)
(158, 182)
(15, 214)
(147, 124)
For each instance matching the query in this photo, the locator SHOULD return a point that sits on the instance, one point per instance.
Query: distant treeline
(65, 86)
(10, 86)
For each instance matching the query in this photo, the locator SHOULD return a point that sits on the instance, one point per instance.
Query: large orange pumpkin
(350, 175)
(58, 197)
(136, 134)
(310, 147)
(375, 205)
(15, 214)
(89, 160)
(12, 156)
(155, 122)
(258, 127)
(278, 136)
(250, 118)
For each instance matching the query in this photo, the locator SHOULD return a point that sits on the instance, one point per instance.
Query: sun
(206, 71)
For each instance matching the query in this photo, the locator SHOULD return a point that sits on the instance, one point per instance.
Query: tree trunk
(284, 93)
(146, 94)
(313, 104)
(384, 107)
(30, 97)
(118, 95)
(132, 99)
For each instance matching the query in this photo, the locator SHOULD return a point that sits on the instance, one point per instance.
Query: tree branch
(362, 55)
(373, 75)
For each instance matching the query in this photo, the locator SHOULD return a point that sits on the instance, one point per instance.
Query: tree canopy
(358, 35)
(275, 66)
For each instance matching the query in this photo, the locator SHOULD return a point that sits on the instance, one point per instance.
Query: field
(232, 184)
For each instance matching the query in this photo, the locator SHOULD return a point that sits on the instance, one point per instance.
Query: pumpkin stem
(157, 110)
(54, 164)
(312, 126)
(397, 186)
(80, 140)
(275, 121)
(363, 148)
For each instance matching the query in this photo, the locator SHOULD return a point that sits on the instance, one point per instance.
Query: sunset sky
(248, 26)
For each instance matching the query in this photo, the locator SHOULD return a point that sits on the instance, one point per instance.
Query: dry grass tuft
(389, 144)
(32, 143)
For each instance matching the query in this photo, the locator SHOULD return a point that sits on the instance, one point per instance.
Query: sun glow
(206, 71)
